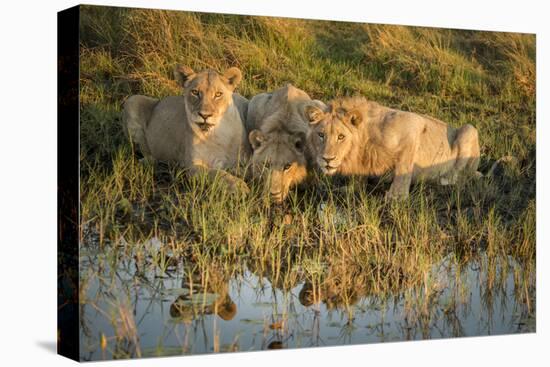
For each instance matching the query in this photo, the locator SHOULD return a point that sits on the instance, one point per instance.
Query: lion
(343, 285)
(278, 130)
(354, 136)
(201, 130)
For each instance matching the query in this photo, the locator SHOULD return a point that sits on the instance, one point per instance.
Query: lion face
(207, 95)
(332, 136)
(278, 160)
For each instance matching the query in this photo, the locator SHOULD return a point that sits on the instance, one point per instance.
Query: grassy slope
(486, 79)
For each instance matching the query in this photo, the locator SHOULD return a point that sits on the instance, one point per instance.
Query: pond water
(126, 312)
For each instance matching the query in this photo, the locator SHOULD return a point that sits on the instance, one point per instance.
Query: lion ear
(313, 114)
(233, 76)
(354, 117)
(183, 74)
(256, 138)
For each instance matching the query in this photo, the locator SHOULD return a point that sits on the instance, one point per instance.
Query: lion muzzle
(205, 126)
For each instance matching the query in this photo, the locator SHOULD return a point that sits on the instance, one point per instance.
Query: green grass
(482, 78)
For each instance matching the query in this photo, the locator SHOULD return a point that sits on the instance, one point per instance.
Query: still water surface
(163, 314)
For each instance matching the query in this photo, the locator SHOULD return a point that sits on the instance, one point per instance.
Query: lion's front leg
(403, 173)
(399, 189)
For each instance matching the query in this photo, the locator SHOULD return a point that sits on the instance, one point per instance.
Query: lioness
(353, 136)
(201, 130)
(278, 135)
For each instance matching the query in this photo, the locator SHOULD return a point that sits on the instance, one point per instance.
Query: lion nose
(329, 159)
(205, 115)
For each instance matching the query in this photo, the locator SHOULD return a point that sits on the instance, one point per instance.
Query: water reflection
(131, 308)
(197, 300)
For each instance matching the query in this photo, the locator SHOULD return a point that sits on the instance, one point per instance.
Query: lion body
(198, 132)
(361, 137)
(167, 137)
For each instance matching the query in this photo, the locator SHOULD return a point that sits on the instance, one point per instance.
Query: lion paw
(238, 185)
(395, 195)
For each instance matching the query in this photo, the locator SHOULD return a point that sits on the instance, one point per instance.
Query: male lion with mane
(278, 135)
(201, 130)
(354, 136)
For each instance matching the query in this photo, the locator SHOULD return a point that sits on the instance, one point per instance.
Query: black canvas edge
(68, 174)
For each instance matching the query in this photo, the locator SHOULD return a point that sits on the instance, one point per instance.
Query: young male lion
(353, 136)
(278, 135)
(201, 130)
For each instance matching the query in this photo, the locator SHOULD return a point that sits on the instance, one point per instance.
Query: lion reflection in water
(191, 305)
(183, 308)
(333, 294)
(342, 286)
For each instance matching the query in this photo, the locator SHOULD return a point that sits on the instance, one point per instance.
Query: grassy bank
(353, 237)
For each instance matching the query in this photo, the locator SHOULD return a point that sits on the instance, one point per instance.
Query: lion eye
(218, 94)
(321, 136)
(341, 137)
(195, 92)
(287, 166)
